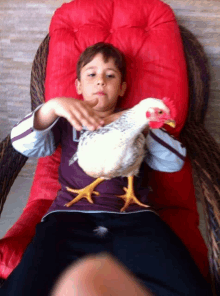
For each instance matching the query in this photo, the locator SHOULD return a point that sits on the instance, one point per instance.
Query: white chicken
(119, 148)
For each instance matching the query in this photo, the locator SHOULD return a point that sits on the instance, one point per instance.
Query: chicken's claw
(129, 199)
(129, 196)
(84, 192)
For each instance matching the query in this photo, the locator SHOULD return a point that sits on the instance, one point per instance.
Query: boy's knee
(98, 275)
(81, 278)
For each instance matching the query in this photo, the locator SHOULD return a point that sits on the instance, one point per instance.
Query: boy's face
(102, 81)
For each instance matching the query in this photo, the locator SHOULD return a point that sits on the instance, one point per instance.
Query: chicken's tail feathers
(73, 159)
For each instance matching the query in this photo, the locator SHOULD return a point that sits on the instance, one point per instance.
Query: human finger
(74, 121)
(83, 119)
(89, 118)
(92, 119)
(90, 124)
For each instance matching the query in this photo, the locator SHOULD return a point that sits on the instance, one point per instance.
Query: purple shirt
(73, 176)
(165, 153)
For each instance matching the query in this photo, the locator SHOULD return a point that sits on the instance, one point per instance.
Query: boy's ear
(123, 89)
(78, 86)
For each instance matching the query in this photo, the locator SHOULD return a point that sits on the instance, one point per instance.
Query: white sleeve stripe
(167, 146)
(31, 142)
(25, 118)
(26, 133)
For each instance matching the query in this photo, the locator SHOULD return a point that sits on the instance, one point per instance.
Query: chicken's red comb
(169, 103)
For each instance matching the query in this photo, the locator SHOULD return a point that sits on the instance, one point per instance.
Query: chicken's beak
(171, 123)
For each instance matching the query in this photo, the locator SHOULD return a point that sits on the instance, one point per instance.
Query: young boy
(137, 238)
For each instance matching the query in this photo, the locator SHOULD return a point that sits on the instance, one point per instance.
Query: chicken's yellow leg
(129, 196)
(84, 192)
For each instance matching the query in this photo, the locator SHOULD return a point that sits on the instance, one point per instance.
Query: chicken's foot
(84, 192)
(129, 196)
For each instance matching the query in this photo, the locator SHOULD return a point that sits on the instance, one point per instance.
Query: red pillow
(145, 31)
(148, 34)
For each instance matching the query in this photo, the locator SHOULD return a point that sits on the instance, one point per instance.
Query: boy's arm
(31, 142)
(78, 113)
(34, 137)
(164, 152)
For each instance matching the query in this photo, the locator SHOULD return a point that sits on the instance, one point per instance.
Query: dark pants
(140, 241)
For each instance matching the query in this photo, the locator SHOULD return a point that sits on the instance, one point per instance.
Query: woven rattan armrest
(11, 161)
(202, 149)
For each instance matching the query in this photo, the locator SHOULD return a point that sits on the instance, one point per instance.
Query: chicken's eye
(160, 112)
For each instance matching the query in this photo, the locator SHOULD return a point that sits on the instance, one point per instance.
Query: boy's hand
(78, 113)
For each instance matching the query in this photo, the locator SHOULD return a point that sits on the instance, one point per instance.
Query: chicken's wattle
(155, 124)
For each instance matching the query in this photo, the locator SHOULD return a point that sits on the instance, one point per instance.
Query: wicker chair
(203, 150)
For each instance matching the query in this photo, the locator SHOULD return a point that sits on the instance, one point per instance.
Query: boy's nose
(100, 81)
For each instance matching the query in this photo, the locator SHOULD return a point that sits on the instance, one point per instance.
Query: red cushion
(42, 194)
(147, 32)
(174, 197)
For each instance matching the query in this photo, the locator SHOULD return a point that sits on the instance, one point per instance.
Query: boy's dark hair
(108, 51)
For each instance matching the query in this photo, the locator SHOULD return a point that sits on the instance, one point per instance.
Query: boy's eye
(108, 75)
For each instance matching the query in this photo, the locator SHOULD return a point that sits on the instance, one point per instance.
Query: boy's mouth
(100, 93)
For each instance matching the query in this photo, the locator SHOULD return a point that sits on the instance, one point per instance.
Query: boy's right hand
(78, 113)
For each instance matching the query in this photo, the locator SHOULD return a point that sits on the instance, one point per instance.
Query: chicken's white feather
(118, 148)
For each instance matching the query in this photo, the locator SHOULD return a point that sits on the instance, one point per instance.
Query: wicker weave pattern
(11, 162)
(38, 74)
(202, 149)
